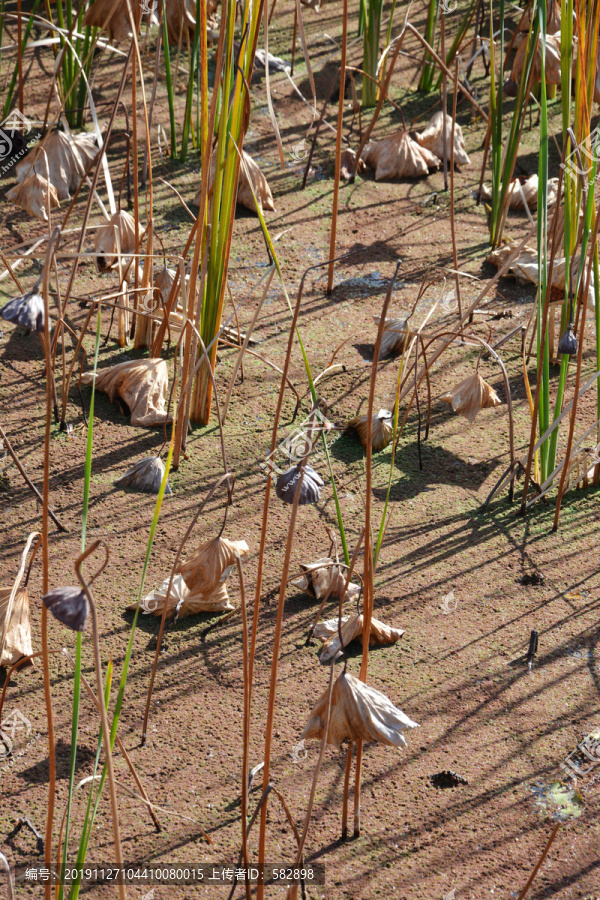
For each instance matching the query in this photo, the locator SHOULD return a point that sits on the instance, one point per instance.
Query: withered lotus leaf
(181, 15)
(26, 310)
(15, 627)
(154, 602)
(347, 163)
(113, 19)
(141, 383)
(398, 156)
(248, 173)
(394, 337)
(318, 577)
(382, 430)
(61, 160)
(553, 13)
(358, 713)
(432, 138)
(352, 627)
(206, 572)
(146, 475)
(471, 396)
(163, 283)
(33, 194)
(525, 267)
(552, 62)
(119, 232)
(287, 485)
(526, 191)
(69, 605)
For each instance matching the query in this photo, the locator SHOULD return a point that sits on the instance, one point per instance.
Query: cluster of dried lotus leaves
(399, 156)
(525, 267)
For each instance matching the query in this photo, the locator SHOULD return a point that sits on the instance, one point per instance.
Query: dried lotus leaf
(398, 156)
(61, 159)
(347, 163)
(520, 193)
(16, 630)
(141, 383)
(471, 396)
(113, 19)
(211, 564)
(118, 234)
(146, 475)
(552, 18)
(552, 62)
(33, 194)
(323, 577)
(181, 15)
(199, 584)
(525, 268)
(27, 310)
(310, 491)
(248, 174)
(358, 713)
(395, 334)
(154, 602)
(382, 431)
(352, 627)
(432, 138)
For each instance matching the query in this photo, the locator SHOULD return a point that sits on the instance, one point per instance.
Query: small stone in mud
(533, 578)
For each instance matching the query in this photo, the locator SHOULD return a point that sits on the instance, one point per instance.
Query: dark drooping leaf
(69, 605)
(26, 310)
(310, 491)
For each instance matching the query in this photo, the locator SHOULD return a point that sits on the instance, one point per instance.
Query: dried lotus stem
(452, 223)
(293, 891)
(246, 726)
(106, 734)
(338, 147)
(368, 558)
(345, 794)
(121, 747)
(226, 477)
(51, 249)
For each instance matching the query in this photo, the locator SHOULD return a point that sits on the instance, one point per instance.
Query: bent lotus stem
(11, 887)
(101, 700)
